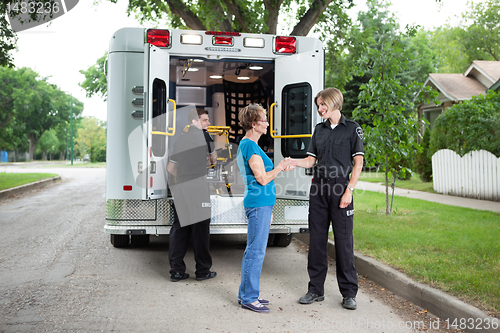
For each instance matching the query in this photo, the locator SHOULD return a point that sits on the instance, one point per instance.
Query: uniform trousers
(199, 234)
(324, 208)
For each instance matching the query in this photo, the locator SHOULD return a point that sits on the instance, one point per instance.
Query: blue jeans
(259, 223)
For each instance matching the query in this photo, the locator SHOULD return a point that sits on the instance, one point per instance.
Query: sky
(75, 41)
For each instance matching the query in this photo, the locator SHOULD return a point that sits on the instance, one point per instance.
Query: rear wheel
(139, 240)
(282, 240)
(120, 240)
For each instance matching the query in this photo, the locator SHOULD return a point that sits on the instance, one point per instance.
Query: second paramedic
(336, 144)
(188, 163)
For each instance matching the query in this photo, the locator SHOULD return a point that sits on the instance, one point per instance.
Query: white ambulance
(155, 77)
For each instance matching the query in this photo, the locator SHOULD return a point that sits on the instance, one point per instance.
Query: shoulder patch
(359, 132)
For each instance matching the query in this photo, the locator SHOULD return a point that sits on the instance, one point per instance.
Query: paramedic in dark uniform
(336, 144)
(188, 163)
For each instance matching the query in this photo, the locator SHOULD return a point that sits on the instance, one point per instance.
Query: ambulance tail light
(285, 44)
(222, 40)
(158, 37)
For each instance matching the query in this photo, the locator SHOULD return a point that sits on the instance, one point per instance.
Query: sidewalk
(434, 197)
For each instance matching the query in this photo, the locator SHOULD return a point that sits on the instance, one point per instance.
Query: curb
(435, 301)
(4, 194)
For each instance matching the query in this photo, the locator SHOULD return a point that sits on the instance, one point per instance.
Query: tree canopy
(29, 106)
(256, 16)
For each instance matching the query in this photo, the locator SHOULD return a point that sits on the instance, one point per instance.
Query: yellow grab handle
(171, 128)
(273, 131)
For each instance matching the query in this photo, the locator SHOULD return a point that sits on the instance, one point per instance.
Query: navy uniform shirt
(335, 148)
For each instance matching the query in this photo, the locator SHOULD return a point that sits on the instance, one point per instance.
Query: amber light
(285, 44)
(158, 37)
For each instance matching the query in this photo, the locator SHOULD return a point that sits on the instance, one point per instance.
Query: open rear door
(298, 79)
(158, 122)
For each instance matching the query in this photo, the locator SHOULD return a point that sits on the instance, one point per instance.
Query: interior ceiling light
(256, 68)
(243, 78)
(215, 77)
(192, 69)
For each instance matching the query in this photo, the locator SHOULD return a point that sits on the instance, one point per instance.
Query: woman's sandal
(256, 306)
(261, 301)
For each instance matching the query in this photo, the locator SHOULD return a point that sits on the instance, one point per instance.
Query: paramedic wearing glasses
(335, 145)
(260, 196)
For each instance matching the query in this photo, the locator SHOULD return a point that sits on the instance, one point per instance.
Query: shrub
(468, 126)
(423, 160)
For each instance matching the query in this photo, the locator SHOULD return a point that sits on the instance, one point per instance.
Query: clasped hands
(288, 164)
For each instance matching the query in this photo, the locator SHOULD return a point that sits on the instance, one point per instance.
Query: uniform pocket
(341, 150)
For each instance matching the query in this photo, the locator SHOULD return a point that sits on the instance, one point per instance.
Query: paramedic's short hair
(332, 97)
(195, 114)
(250, 115)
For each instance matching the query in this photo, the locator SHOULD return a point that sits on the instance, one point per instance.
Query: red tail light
(127, 187)
(158, 37)
(285, 44)
(221, 40)
(222, 33)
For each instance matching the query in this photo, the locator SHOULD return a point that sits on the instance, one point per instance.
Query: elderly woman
(260, 196)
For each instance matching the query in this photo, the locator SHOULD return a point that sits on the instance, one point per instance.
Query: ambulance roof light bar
(285, 44)
(158, 37)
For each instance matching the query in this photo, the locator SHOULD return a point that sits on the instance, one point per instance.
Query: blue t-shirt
(256, 195)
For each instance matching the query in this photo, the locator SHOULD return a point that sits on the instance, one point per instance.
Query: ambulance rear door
(298, 79)
(159, 122)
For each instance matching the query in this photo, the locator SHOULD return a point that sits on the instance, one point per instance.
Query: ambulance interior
(223, 87)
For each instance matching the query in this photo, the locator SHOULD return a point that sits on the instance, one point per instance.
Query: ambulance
(156, 76)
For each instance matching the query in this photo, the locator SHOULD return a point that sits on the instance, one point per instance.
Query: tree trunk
(273, 9)
(386, 186)
(32, 146)
(177, 7)
(310, 18)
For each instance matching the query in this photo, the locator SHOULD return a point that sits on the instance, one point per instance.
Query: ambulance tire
(139, 240)
(282, 240)
(120, 240)
(270, 240)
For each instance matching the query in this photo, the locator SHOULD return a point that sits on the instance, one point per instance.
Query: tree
(390, 98)
(52, 109)
(483, 34)
(260, 16)
(447, 44)
(17, 96)
(423, 160)
(91, 138)
(49, 144)
(95, 79)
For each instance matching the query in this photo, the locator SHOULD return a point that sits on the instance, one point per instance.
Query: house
(479, 77)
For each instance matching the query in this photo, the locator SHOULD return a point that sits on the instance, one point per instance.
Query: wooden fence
(475, 175)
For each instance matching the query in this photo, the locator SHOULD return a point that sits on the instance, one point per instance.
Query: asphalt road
(60, 273)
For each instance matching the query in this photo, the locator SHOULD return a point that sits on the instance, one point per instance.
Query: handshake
(288, 164)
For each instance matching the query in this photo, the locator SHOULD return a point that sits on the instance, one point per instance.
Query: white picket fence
(475, 175)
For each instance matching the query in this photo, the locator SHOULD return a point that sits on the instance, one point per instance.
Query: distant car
(86, 158)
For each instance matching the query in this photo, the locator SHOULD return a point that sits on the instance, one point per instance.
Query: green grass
(413, 184)
(9, 180)
(451, 248)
